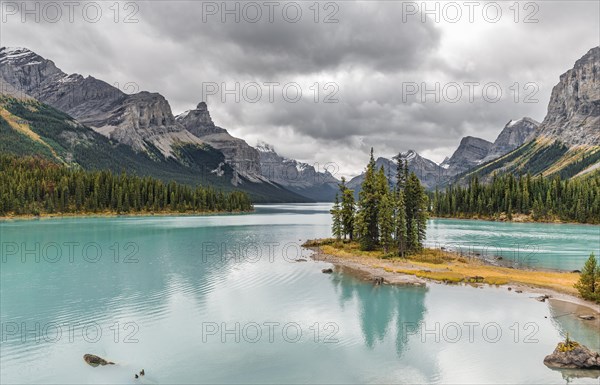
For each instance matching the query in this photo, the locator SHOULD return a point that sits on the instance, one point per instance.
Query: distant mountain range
(566, 143)
(87, 122)
(188, 148)
(302, 178)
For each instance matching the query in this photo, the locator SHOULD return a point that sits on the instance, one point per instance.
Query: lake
(221, 299)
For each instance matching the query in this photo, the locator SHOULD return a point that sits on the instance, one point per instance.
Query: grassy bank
(516, 218)
(111, 214)
(443, 266)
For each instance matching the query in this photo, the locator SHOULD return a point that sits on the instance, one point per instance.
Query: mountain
(574, 110)
(513, 135)
(244, 158)
(138, 120)
(28, 127)
(567, 142)
(298, 177)
(469, 153)
(430, 174)
(142, 122)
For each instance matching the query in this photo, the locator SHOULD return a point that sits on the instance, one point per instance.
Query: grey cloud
(369, 54)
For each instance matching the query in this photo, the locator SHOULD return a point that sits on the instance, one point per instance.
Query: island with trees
(382, 234)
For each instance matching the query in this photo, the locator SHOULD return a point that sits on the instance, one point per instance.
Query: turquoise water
(221, 299)
(536, 245)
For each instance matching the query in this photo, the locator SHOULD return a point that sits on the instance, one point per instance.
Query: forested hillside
(35, 186)
(28, 127)
(540, 198)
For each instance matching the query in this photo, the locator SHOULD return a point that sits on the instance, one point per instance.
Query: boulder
(587, 317)
(572, 355)
(95, 361)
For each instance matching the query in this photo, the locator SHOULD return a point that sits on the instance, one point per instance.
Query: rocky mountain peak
(470, 152)
(513, 135)
(265, 147)
(409, 155)
(574, 109)
(198, 121)
(302, 178)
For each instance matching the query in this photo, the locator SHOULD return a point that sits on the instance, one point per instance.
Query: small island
(381, 237)
(572, 355)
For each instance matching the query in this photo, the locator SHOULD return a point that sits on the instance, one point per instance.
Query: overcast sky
(378, 63)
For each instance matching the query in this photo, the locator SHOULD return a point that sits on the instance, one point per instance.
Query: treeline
(391, 218)
(34, 186)
(543, 199)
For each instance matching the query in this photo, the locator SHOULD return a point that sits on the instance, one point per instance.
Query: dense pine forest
(35, 186)
(393, 219)
(539, 198)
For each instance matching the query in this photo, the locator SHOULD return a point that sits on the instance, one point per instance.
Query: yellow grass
(24, 128)
(447, 267)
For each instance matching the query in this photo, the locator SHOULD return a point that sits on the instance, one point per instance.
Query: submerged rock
(327, 271)
(572, 355)
(587, 317)
(95, 361)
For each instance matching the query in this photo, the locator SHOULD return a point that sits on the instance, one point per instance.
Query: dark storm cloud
(370, 54)
(362, 34)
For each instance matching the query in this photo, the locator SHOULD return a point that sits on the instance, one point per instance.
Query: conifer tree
(336, 226)
(589, 281)
(399, 222)
(347, 210)
(385, 218)
(367, 205)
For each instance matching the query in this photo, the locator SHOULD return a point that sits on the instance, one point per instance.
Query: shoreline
(370, 268)
(30, 217)
(526, 220)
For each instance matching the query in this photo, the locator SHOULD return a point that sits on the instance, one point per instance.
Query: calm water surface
(219, 300)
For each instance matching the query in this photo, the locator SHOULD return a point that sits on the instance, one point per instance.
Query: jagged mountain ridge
(513, 135)
(296, 176)
(574, 109)
(567, 142)
(142, 121)
(137, 120)
(244, 158)
(133, 119)
(469, 153)
(430, 173)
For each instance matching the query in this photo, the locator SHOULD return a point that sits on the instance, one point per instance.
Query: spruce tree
(400, 232)
(336, 226)
(416, 213)
(367, 205)
(589, 281)
(385, 218)
(347, 210)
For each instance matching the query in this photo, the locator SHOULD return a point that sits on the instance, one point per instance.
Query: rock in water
(587, 317)
(327, 271)
(95, 361)
(573, 356)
